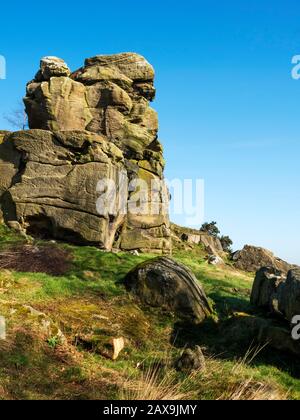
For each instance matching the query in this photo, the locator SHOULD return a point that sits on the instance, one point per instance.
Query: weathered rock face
(86, 127)
(252, 258)
(289, 295)
(110, 95)
(264, 290)
(57, 189)
(51, 67)
(9, 162)
(162, 282)
(182, 236)
(276, 292)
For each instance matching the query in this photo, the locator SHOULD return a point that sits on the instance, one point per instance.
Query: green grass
(229, 289)
(8, 237)
(89, 304)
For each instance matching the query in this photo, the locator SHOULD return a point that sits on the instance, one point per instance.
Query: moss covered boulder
(162, 282)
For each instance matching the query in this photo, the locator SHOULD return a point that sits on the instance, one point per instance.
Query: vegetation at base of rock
(89, 304)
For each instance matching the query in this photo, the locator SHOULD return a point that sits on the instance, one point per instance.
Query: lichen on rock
(88, 126)
(163, 282)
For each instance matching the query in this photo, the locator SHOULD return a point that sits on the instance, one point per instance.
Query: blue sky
(228, 106)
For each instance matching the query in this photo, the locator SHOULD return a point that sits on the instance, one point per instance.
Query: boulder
(103, 344)
(289, 295)
(280, 295)
(53, 66)
(57, 104)
(162, 282)
(211, 244)
(132, 65)
(252, 258)
(279, 338)
(264, 290)
(276, 292)
(191, 359)
(57, 193)
(191, 238)
(215, 260)
(246, 330)
(109, 95)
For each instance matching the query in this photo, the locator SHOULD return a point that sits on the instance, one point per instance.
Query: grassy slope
(90, 304)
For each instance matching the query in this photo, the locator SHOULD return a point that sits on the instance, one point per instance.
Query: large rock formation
(277, 292)
(252, 258)
(110, 95)
(90, 169)
(162, 282)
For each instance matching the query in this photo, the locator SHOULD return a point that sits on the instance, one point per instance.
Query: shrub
(213, 230)
(210, 228)
(226, 243)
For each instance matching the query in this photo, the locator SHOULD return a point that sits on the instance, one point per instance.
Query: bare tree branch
(17, 118)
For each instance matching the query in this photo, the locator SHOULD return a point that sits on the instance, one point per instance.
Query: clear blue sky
(228, 107)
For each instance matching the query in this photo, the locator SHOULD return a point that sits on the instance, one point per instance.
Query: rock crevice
(88, 128)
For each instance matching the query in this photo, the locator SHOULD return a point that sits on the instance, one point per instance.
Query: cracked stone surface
(87, 126)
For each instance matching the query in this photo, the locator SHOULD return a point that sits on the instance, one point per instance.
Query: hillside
(102, 297)
(59, 327)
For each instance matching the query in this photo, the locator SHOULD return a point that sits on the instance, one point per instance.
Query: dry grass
(251, 390)
(219, 381)
(36, 259)
(89, 298)
(153, 385)
(237, 381)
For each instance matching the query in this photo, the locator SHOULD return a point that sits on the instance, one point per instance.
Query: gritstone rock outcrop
(186, 238)
(252, 258)
(276, 292)
(86, 127)
(279, 295)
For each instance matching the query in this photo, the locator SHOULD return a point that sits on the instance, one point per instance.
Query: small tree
(226, 243)
(210, 228)
(17, 118)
